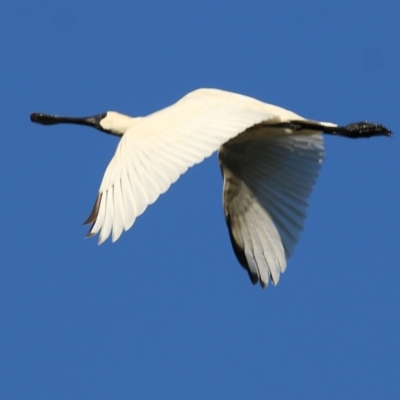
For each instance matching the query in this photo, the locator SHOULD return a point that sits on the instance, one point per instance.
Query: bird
(269, 157)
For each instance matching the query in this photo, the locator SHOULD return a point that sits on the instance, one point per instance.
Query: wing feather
(129, 203)
(267, 183)
(118, 212)
(248, 249)
(139, 191)
(108, 217)
(98, 222)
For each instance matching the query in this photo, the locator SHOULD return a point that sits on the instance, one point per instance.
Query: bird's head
(110, 122)
(113, 122)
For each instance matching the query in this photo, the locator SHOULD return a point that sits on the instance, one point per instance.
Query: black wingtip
(95, 211)
(90, 233)
(239, 253)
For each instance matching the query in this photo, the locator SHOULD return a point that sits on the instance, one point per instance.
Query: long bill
(47, 119)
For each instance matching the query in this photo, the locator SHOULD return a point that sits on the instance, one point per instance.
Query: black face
(47, 119)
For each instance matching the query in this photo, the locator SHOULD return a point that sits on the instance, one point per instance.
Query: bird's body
(269, 158)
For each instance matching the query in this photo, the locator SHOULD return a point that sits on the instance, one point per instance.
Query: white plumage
(270, 158)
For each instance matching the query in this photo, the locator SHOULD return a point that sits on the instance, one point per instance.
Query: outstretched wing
(267, 182)
(158, 148)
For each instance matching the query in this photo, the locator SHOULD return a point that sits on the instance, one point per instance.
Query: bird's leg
(359, 130)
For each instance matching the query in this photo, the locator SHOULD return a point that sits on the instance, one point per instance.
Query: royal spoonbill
(269, 158)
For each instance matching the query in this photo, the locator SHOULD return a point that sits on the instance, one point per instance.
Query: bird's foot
(363, 130)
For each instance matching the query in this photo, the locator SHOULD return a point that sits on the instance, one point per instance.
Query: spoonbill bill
(269, 158)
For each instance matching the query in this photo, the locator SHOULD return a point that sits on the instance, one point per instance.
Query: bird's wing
(158, 148)
(267, 183)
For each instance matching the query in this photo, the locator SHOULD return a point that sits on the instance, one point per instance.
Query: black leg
(359, 130)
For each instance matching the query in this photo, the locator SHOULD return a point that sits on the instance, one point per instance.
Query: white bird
(269, 157)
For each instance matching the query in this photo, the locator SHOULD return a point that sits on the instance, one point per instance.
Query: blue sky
(167, 312)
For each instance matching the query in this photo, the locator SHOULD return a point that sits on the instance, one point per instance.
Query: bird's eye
(103, 115)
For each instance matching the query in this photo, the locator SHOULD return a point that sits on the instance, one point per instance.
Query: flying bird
(269, 158)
